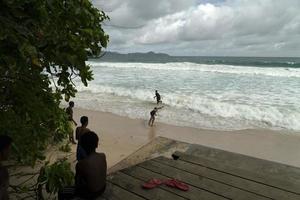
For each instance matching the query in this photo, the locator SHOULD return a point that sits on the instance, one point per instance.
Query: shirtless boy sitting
(90, 178)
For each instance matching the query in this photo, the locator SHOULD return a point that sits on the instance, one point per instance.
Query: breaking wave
(219, 68)
(260, 115)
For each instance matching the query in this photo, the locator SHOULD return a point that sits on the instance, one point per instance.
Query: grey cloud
(205, 27)
(134, 13)
(207, 21)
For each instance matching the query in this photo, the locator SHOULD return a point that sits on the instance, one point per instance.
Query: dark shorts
(80, 153)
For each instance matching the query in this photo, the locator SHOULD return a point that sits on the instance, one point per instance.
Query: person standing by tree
(84, 120)
(69, 111)
(157, 96)
(5, 143)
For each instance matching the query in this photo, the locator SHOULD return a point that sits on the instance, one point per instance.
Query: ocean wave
(137, 94)
(271, 116)
(218, 68)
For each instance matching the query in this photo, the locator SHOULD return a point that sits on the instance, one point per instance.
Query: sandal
(177, 184)
(152, 183)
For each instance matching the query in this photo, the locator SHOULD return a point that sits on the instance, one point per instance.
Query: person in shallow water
(157, 96)
(90, 178)
(153, 114)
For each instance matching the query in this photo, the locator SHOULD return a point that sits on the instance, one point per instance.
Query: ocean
(220, 93)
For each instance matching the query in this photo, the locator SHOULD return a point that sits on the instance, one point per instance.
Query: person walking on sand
(157, 96)
(80, 153)
(69, 111)
(153, 114)
(5, 145)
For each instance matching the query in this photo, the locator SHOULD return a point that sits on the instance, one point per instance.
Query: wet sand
(122, 136)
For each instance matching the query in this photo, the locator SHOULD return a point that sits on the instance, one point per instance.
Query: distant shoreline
(186, 56)
(151, 57)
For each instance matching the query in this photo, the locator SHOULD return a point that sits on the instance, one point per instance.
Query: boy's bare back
(92, 170)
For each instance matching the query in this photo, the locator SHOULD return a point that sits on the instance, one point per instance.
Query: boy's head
(89, 142)
(5, 143)
(71, 104)
(155, 91)
(84, 120)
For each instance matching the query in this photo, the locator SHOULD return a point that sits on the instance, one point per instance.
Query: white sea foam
(118, 91)
(187, 66)
(197, 95)
(181, 107)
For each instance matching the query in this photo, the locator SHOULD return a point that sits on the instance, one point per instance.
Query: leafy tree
(54, 177)
(43, 46)
(48, 180)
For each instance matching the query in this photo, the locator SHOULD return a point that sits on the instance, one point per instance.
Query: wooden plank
(266, 179)
(114, 192)
(133, 185)
(193, 193)
(200, 181)
(262, 166)
(229, 179)
(278, 171)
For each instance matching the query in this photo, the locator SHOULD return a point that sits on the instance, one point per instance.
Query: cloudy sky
(204, 27)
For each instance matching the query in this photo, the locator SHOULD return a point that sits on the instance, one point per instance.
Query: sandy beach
(122, 136)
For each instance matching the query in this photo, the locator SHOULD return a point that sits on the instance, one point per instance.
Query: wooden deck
(211, 174)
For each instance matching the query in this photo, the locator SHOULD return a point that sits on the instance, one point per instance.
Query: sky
(204, 27)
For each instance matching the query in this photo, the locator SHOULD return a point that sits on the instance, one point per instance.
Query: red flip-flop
(177, 184)
(152, 183)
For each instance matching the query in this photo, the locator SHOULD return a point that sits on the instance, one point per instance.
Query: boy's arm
(74, 122)
(105, 164)
(76, 133)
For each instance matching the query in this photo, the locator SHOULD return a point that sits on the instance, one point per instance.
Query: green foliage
(43, 46)
(56, 176)
(62, 129)
(65, 147)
